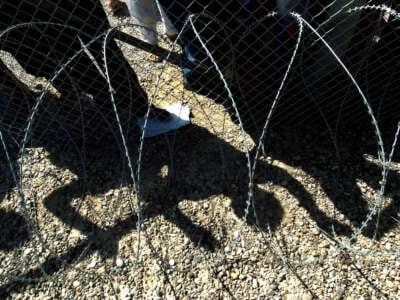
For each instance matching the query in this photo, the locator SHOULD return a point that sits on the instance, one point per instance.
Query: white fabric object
(147, 13)
(179, 117)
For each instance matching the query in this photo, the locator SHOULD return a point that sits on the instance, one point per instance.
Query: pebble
(388, 246)
(273, 287)
(254, 283)
(264, 270)
(119, 262)
(315, 231)
(234, 274)
(92, 264)
(299, 296)
(28, 251)
(389, 284)
(124, 293)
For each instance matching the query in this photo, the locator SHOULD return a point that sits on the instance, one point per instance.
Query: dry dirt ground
(300, 239)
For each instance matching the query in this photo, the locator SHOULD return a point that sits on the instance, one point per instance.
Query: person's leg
(42, 51)
(123, 79)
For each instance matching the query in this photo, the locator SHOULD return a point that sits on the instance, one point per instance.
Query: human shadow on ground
(83, 107)
(346, 174)
(316, 85)
(316, 112)
(14, 230)
(43, 48)
(223, 171)
(203, 166)
(13, 227)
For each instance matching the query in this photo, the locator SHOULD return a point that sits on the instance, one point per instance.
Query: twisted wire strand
(385, 159)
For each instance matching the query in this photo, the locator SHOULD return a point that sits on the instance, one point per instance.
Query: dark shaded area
(101, 167)
(337, 170)
(14, 230)
(83, 113)
(320, 87)
(13, 227)
(42, 49)
(318, 98)
(254, 62)
(203, 167)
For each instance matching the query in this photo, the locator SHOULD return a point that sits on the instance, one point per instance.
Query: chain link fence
(292, 148)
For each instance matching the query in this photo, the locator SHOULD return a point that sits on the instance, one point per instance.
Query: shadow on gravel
(13, 230)
(347, 170)
(13, 227)
(202, 166)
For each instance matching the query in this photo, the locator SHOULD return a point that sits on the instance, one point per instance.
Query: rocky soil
(71, 230)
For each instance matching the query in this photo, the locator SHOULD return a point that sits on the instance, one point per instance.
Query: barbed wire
(252, 156)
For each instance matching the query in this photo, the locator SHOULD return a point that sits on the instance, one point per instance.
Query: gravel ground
(81, 239)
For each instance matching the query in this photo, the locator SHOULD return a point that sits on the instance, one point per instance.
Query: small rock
(388, 246)
(125, 293)
(273, 287)
(254, 283)
(390, 284)
(171, 262)
(92, 264)
(315, 231)
(28, 251)
(235, 274)
(298, 296)
(119, 262)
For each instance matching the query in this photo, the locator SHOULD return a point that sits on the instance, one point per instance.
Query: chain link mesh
(293, 141)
